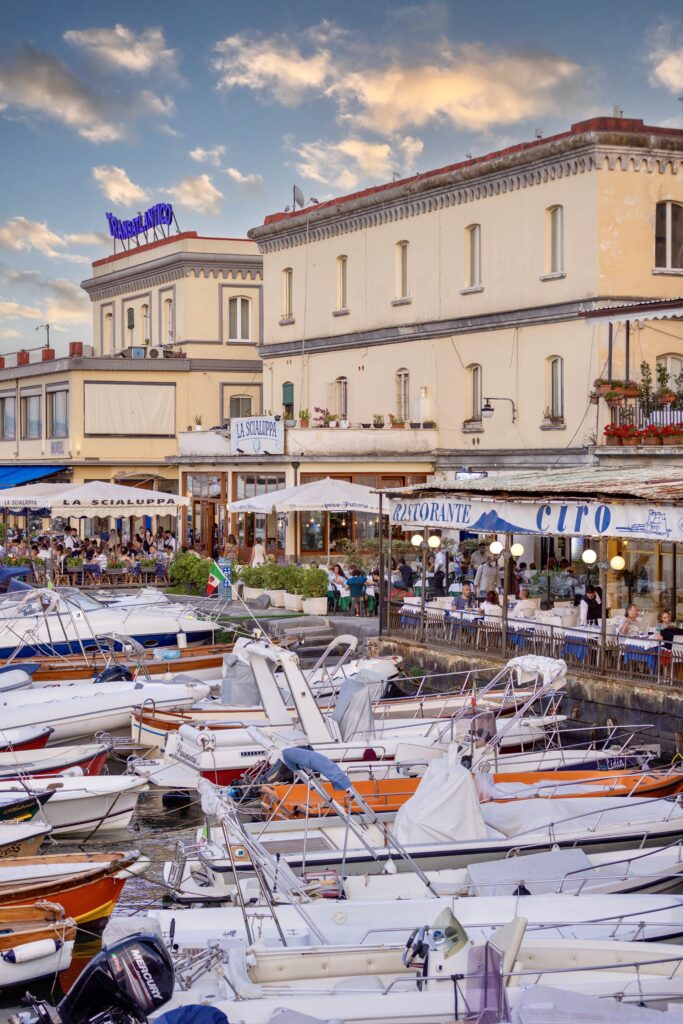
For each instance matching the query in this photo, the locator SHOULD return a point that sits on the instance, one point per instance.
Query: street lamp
(589, 557)
(517, 550)
(617, 563)
(487, 409)
(495, 547)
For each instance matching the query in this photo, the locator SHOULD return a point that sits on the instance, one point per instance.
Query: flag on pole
(216, 577)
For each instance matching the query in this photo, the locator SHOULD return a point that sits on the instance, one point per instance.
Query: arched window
(287, 293)
(342, 262)
(669, 236)
(402, 291)
(168, 322)
(473, 256)
(239, 319)
(108, 334)
(672, 364)
(474, 397)
(341, 398)
(403, 394)
(146, 336)
(555, 387)
(555, 239)
(130, 325)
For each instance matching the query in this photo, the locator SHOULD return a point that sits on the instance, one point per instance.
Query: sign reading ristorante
(155, 217)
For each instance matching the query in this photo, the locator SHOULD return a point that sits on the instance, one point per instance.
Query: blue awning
(14, 476)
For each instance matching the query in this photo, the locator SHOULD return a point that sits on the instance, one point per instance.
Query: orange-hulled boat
(295, 801)
(86, 885)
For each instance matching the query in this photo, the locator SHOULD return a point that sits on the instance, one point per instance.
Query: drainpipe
(627, 351)
(295, 467)
(380, 596)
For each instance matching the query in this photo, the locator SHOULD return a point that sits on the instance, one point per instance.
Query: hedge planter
(650, 441)
(295, 602)
(613, 442)
(251, 593)
(277, 598)
(315, 605)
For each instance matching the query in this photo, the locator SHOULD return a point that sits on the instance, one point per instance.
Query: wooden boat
(21, 838)
(191, 660)
(297, 800)
(86, 885)
(31, 737)
(35, 942)
(21, 804)
(90, 758)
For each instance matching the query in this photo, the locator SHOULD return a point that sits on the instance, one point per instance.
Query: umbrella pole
(327, 536)
(381, 594)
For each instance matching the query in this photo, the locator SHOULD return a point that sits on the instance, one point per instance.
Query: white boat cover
(540, 1004)
(529, 667)
(238, 686)
(444, 808)
(353, 710)
(571, 815)
(537, 872)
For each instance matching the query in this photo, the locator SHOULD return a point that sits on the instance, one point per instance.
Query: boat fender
(31, 951)
(369, 754)
(73, 773)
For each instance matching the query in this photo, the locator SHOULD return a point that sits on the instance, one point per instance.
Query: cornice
(171, 268)
(455, 188)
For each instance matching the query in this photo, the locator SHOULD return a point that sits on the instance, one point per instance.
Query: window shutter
(288, 394)
(131, 318)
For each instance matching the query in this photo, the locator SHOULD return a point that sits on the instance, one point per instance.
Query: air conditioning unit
(137, 352)
(155, 353)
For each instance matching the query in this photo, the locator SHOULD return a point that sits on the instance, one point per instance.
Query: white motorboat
(82, 709)
(84, 805)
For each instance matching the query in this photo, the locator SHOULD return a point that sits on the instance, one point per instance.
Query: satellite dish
(448, 931)
(299, 197)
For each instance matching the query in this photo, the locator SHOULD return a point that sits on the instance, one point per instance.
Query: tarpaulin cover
(299, 757)
(523, 816)
(14, 476)
(353, 711)
(539, 1004)
(193, 1013)
(444, 808)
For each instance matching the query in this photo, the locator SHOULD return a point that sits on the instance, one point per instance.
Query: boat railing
(184, 851)
(629, 861)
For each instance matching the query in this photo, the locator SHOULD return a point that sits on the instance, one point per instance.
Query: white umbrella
(97, 498)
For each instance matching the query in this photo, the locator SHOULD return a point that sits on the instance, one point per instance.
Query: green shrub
(315, 583)
(253, 576)
(202, 570)
(183, 568)
(273, 576)
(74, 563)
(293, 579)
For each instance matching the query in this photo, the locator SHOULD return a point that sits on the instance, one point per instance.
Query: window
(475, 400)
(8, 418)
(287, 293)
(669, 236)
(108, 334)
(288, 400)
(58, 414)
(342, 398)
(130, 318)
(556, 388)
(31, 424)
(674, 368)
(403, 394)
(239, 319)
(146, 326)
(168, 322)
(473, 256)
(341, 282)
(555, 222)
(240, 405)
(402, 270)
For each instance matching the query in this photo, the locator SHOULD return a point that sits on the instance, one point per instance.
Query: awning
(14, 476)
(97, 498)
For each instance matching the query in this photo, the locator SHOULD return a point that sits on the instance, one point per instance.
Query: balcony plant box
(366, 426)
(294, 602)
(627, 434)
(314, 588)
(672, 435)
(665, 397)
(631, 389)
(651, 436)
(612, 435)
(603, 386)
(414, 424)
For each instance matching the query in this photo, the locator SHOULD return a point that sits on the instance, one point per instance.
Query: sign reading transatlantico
(558, 518)
(155, 217)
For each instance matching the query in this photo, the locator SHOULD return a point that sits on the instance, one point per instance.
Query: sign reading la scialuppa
(256, 435)
(549, 518)
(155, 217)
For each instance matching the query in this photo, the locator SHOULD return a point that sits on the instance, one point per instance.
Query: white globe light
(617, 563)
(416, 540)
(589, 556)
(434, 541)
(495, 547)
(517, 550)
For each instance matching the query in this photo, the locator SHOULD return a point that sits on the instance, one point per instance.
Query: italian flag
(216, 577)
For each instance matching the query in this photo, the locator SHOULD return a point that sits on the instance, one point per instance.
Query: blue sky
(220, 107)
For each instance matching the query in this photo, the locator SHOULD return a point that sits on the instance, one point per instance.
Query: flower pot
(630, 442)
(197, 426)
(602, 389)
(631, 392)
(650, 442)
(366, 426)
(304, 423)
(290, 423)
(378, 426)
(277, 598)
(675, 440)
(397, 426)
(344, 424)
(314, 605)
(414, 425)
(251, 593)
(665, 398)
(294, 602)
(613, 442)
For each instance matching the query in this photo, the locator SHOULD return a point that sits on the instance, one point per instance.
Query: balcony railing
(634, 422)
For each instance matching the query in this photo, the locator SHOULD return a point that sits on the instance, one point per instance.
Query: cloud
(347, 163)
(666, 57)
(212, 155)
(121, 49)
(88, 238)
(250, 181)
(198, 193)
(38, 82)
(9, 332)
(391, 88)
(19, 234)
(11, 310)
(117, 186)
(68, 302)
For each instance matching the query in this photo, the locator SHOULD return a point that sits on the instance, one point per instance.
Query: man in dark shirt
(356, 584)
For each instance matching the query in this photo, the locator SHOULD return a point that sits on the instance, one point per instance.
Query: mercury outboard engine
(114, 674)
(123, 984)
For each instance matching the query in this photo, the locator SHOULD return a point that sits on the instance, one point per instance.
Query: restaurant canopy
(328, 495)
(588, 501)
(96, 498)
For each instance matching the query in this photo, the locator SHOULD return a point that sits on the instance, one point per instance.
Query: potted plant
(74, 563)
(273, 583)
(429, 424)
(397, 422)
(344, 424)
(612, 434)
(253, 578)
(672, 434)
(631, 389)
(189, 429)
(333, 420)
(665, 396)
(315, 585)
(322, 416)
(647, 399)
(650, 435)
(304, 417)
(290, 421)
(629, 435)
(293, 582)
(414, 424)
(198, 421)
(613, 398)
(602, 385)
(366, 426)
(594, 397)
(378, 421)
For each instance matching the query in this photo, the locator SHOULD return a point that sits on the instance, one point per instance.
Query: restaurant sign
(257, 435)
(547, 518)
(153, 218)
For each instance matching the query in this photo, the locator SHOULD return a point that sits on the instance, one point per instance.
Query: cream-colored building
(458, 298)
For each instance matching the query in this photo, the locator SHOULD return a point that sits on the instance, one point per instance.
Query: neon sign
(155, 217)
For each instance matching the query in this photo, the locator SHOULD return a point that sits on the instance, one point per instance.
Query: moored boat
(35, 942)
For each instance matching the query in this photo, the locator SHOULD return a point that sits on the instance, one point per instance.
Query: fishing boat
(21, 838)
(35, 942)
(86, 885)
(30, 737)
(89, 759)
(82, 806)
(21, 805)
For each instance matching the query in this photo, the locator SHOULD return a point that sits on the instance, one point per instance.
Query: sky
(220, 108)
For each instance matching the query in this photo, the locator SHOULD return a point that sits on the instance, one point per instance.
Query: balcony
(320, 442)
(635, 423)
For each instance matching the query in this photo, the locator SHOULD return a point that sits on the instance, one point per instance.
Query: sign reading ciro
(256, 435)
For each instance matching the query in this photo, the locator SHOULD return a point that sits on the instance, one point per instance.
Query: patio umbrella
(97, 498)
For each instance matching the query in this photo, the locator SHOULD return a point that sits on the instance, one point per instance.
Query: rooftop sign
(153, 218)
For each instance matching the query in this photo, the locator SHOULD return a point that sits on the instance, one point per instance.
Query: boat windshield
(86, 602)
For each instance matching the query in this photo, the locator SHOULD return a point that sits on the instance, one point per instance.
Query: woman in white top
(258, 553)
(491, 605)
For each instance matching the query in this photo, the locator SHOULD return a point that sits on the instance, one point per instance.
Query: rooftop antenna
(539, 133)
(46, 328)
(395, 176)
(617, 111)
(297, 198)
(468, 156)
(680, 100)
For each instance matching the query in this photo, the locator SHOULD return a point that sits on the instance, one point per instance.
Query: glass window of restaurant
(651, 578)
(206, 517)
(247, 526)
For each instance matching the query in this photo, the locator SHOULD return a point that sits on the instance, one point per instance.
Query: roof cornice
(172, 267)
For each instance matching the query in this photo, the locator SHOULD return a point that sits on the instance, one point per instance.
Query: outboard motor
(114, 674)
(123, 984)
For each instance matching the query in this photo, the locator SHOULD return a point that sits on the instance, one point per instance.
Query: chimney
(23, 358)
(75, 349)
(47, 354)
